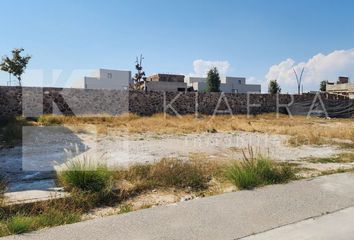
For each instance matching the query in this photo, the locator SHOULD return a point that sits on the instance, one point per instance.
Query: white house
(228, 84)
(120, 80)
(106, 79)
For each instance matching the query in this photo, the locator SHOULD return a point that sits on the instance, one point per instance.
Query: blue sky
(250, 35)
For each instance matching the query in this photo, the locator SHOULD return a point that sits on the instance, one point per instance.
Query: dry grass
(170, 172)
(347, 157)
(199, 175)
(18, 219)
(337, 171)
(87, 185)
(301, 129)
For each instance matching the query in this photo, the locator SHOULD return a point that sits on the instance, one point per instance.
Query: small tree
(16, 65)
(213, 80)
(139, 78)
(274, 87)
(323, 86)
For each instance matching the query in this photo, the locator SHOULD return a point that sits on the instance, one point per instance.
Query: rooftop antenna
(299, 79)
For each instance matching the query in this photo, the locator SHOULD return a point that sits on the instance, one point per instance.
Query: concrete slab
(31, 185)
(31, 196)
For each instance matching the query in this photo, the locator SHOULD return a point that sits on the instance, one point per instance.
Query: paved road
(228, 216)
(338, 225)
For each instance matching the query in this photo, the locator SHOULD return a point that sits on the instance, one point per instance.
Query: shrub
(254, 172)
(86, 176)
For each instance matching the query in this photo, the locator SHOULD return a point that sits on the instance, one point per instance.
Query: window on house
(109, 75)
(239, 82)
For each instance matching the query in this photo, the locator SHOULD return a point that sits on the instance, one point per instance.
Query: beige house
(342, 87)
(166, 82)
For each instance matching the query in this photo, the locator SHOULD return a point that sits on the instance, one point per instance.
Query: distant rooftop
(164, 77)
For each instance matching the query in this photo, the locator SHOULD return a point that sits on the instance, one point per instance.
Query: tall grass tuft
(85, 175)
(258, 171)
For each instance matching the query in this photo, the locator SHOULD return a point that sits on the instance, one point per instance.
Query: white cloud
(318, 68)
(201, 67)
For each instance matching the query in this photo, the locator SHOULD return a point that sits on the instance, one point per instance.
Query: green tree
(213, 80)
(274, 87)
(16, 65)
(323, 86)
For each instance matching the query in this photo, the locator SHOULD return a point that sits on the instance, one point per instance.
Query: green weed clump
(126, 208)
(253, 172)
(23, 218)
(87, 176)
(22, 223)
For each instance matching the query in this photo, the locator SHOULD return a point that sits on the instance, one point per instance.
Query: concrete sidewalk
(228, 216)
(338, 225)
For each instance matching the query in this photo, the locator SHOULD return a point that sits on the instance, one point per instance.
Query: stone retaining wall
(33, 102)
